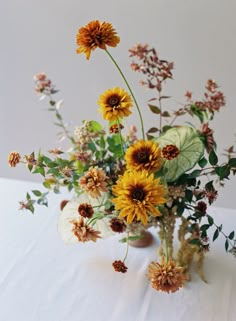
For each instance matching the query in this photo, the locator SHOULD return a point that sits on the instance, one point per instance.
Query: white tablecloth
(42, 279)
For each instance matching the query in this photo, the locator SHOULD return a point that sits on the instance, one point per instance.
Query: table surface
(43, 279)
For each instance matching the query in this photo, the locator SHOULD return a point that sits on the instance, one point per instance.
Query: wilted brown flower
(94, 182)
(114, 129)
(86, 210)
(170, 152)
(13, 159)
(117, 225)
(209, 139)
(94, 35)
(120, 266)
(166, 277)
(83, 232)
(63, 204)
(201, 207)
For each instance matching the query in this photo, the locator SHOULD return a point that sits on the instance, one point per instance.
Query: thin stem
(166, 244)
(160, 106)
(130, 90)
(127, 249)
(121, 139)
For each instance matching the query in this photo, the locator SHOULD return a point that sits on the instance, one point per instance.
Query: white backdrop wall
(199, 36)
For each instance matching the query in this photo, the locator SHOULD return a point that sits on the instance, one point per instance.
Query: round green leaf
(191, 148)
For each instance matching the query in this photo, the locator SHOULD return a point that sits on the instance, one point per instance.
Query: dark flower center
(113, 101)
(141, 156)
(138, 194)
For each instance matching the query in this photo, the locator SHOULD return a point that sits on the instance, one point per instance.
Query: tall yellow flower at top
(94, 35)
(115, 103)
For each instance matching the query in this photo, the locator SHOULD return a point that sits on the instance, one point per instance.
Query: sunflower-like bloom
(166, 277)
(94, 35)
(144, 155)
(137, 196)
(94, 182)
(115, 103)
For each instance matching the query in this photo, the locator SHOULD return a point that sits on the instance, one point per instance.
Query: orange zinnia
(94, 35)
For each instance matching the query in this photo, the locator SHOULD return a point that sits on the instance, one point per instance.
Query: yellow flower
(144, 155)
(115, 103)
(13, 159)
(137, 196)
(166, 277)
(94, 35)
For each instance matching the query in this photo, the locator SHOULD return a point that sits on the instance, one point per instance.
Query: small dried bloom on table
(84, 232)
(114, 104)
(86, 210)
(94, 182)
(144, 155)
(166, 277)
(94, 35)
(14, 159)
(137, 195)
(120, 266)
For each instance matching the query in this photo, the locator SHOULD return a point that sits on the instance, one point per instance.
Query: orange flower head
(94, 182)
(13, 159)
(94, 35)
(166, 277)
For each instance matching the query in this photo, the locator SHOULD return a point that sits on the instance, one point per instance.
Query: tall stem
(166, 244)
(130, 90)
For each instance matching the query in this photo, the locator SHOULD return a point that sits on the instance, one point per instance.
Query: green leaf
(213, 159)
(231, 235)
(226, 245)
(216, 234)
(152, 130)
(189, 195)
(37, 193)
(210, 220)
(154, 109)
(195, 242)
(39, 170)
(203, 162)
(94, 126)
(232, 162)
(191, 149)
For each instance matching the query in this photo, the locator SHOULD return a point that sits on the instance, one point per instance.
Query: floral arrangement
(122, 183)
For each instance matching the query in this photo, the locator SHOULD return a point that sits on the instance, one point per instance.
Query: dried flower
(14, 159)
(170, 152)
(83, 232)
(166, 277)
(119, 266)
(201, 207)
(94, 35)
(117, 225)
(94, 182)
(63, 204)
(85, 210)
